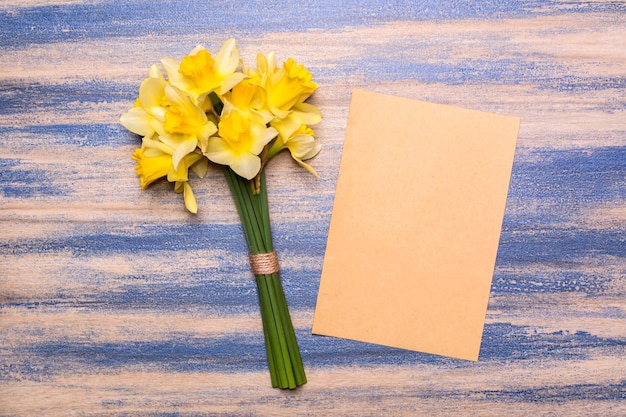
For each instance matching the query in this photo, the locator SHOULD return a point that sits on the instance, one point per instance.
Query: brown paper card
(415, 225)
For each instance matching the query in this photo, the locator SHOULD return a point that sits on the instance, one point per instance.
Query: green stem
(271, 360)
(265, 215)
(274, 353)
(282, 333)
(294, 351)
(283, 354)
(239, 203)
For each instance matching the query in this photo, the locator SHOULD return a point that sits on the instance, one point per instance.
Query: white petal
(151, 93)
(219, 151)
(229, 82)
(137, 121)
(261, 63)
(264, 138)
(177, 97)
(287, 126)
(170, 66)
(152, 152)
(279, 113)
(307, 113)
(271, 62)
(300, 145)
(203, 137)
(190, 199)
(201, 167)
(197, 49)
(159, 114)
(265, 115)
(307, 167)
(155, 72)
(183, 149)
(171, 140)
(314, 151)
(176, 78)
(246, 165)
(148, 143)
(227, 59)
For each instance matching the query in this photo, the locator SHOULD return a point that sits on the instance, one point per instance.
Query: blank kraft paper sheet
(415, 226)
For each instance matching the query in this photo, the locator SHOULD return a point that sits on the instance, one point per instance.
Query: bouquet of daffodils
(215, 109)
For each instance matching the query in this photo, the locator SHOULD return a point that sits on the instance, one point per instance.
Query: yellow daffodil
(168, 113)
(142, 118)
(301, 144)
(154, 161)
(138, 121)
(277, 94)
(242, 137)
(150, 169)
(304, 114)
(188, 196)
(199, 73)
(286, 87)
(172, 127)
(290, 85)
(208, 109)
(247, 96)
(186, 126)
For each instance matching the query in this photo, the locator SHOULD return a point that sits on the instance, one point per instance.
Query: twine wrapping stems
(264, 263)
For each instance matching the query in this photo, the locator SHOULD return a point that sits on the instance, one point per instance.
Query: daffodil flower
(200, 74)
(155, 161)
(186, 126)
(142, 118)
(304, 114)
(173, 127)
(286, 87)
(242, 137)
(209, 109)
(289, 86)
(150, 169)
(247, 96)
(301, 144)
(154, 165)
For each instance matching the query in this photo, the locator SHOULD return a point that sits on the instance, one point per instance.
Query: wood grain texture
(115, 301)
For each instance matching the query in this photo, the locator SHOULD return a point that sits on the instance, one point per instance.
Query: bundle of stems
(283, 354)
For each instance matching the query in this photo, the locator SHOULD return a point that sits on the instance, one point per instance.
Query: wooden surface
(115, 301)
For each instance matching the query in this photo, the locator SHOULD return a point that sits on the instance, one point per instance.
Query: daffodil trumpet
(210, 109)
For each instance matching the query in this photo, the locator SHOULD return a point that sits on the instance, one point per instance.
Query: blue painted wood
(115, 301)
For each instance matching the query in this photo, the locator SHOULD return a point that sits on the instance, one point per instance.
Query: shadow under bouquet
(215, 109)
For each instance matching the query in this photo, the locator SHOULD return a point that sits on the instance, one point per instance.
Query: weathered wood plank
(115, 301)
